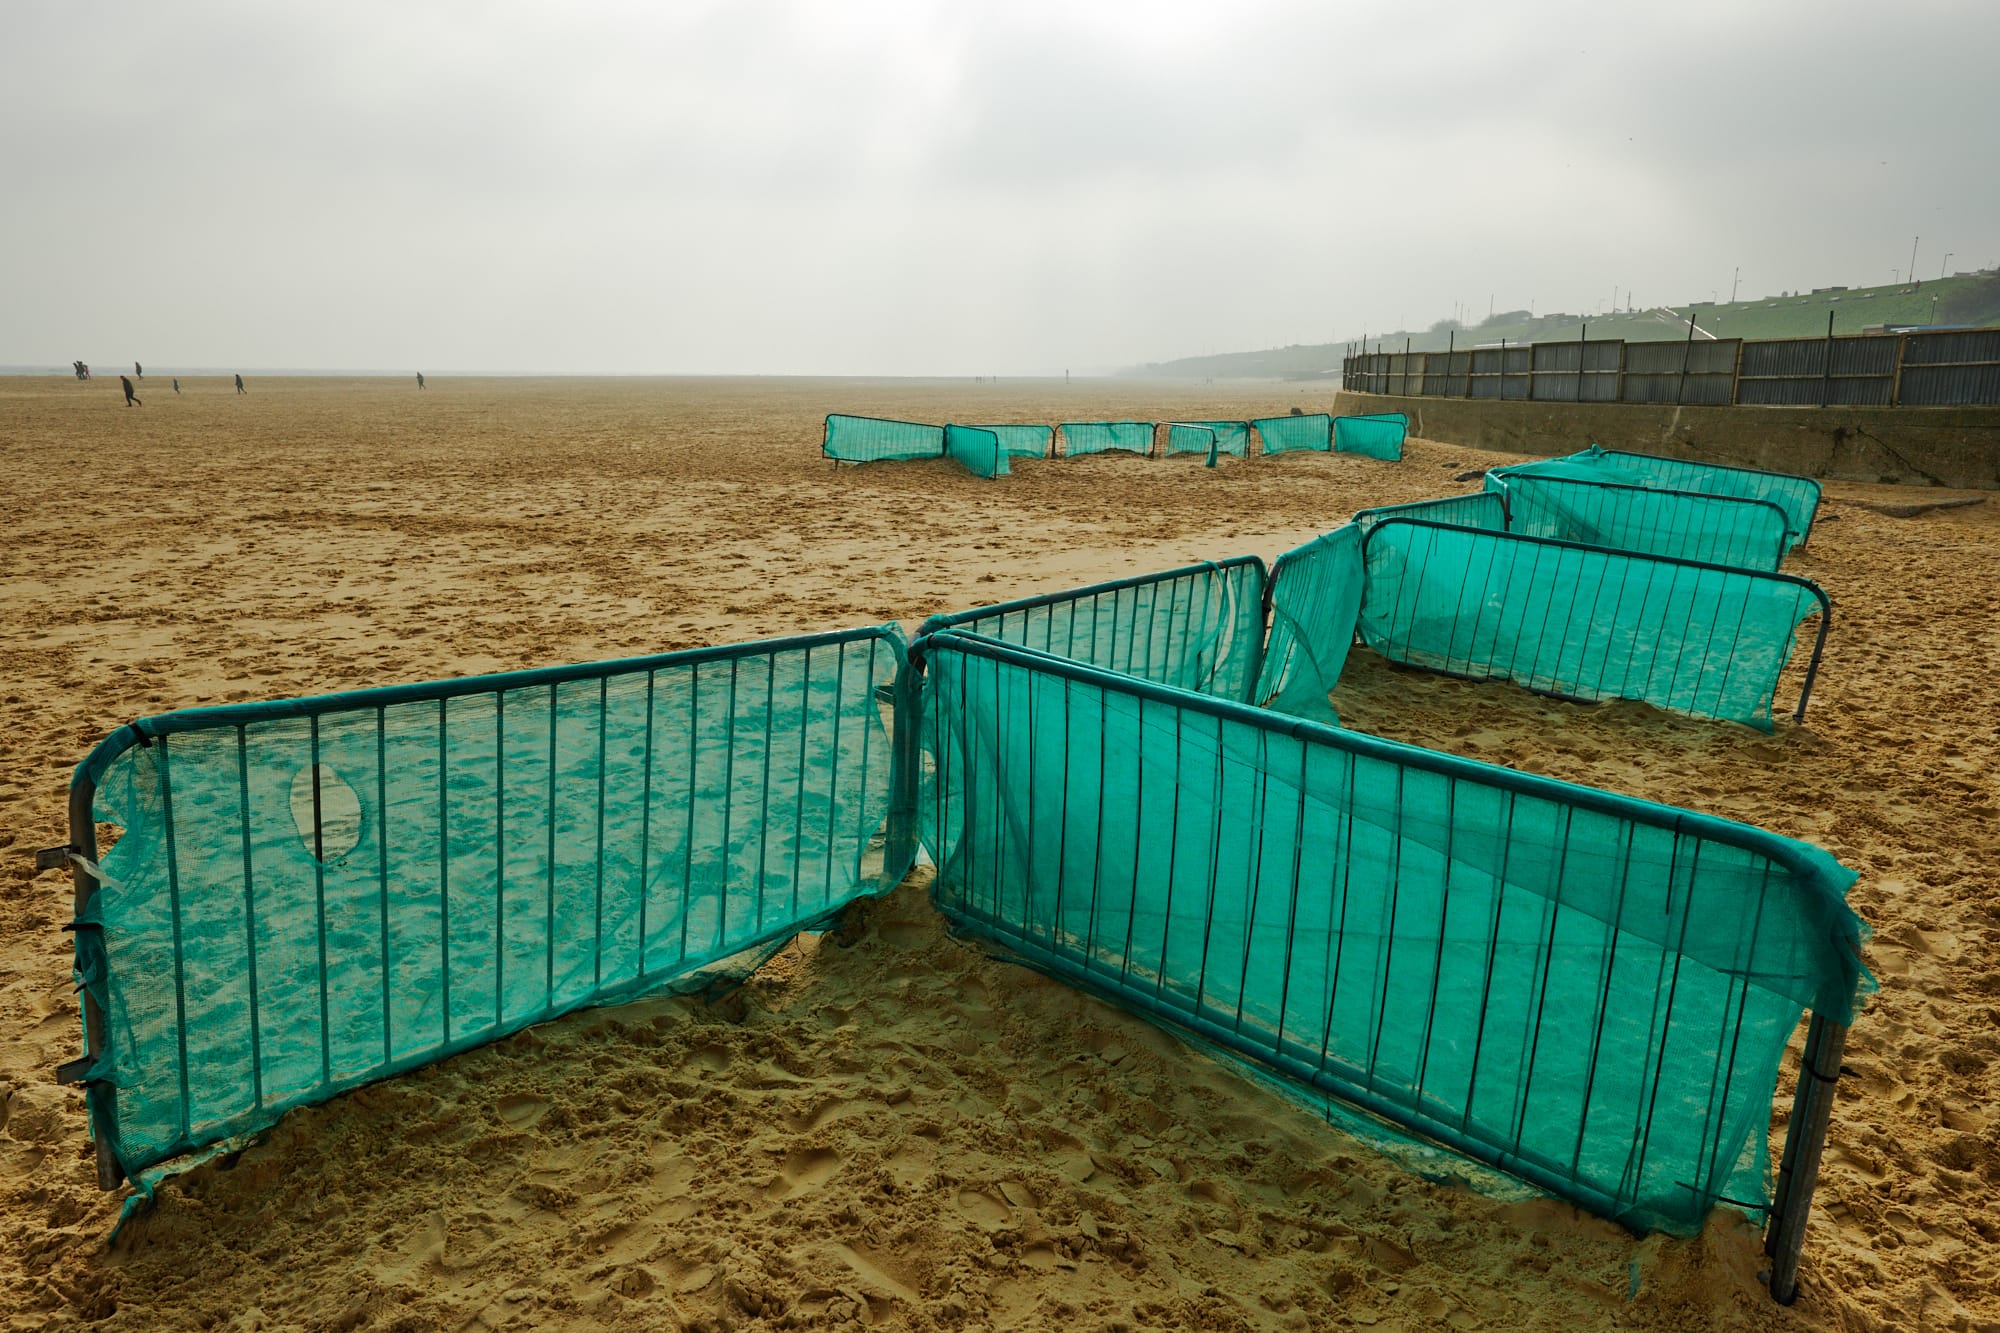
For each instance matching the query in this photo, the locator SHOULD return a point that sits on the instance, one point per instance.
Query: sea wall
(1928, 446)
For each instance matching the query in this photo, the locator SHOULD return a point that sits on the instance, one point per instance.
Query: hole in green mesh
(337, 828)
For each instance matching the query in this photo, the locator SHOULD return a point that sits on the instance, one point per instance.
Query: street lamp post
(1945, 265)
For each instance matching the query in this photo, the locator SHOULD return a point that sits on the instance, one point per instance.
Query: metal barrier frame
(1819, 643)
(1819, 491)
(1805, 1133)
(81, 853)
(958, 620)
(1501, 477)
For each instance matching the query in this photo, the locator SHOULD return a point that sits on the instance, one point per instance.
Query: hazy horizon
(929, 190)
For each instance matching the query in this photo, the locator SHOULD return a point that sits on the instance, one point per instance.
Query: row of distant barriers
(1941, 369)
(1139, 787)
(986, 450)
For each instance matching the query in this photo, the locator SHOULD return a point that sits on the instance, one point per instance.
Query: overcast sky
(862, 187)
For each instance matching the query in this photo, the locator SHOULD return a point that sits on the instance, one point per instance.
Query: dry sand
(905, 1133)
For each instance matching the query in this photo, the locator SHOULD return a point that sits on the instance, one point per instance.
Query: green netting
(1024, 441)
(1096, 437)
(1285, 434)
(1584, 622)
(312, 894)
(1186, 438)
(868, 439)
(1197, 628)
(1721, 529)
(1475, 509)
(1589, 991)
(1315, 602)
(1231, 437)
(978, 449)
(1378, 435)
(1797, 496)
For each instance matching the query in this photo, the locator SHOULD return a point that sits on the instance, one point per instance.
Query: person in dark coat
(239, 384)
(131, 399)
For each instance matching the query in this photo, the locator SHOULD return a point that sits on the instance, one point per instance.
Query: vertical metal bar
(319, 898)
(764, 795)
(444, 868)
(597, 908)
(381, 874)
(174, 907)
(728, 816)
(797, 830)
(1826, 376)
(549, 906)
(1805, 1141)
(499, 856)
(249, 919)
(101, 1096)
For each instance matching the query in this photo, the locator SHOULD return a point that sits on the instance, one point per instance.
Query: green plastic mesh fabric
(1097, 437)
(1315, 603)
(1721, 529)
(1231, 437)
(1188, 438)
(869, 439)
(1197, 628)
(312, 894)
(978, 449)
(1582, 622)
(1378, 435)
(1477, 509)
(1588, 991)
(1797, 496)
(1024, 441)
(1286, 434)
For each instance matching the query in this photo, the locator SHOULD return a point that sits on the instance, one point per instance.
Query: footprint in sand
(984, 1211)
(805, 1169)
(522, 1109)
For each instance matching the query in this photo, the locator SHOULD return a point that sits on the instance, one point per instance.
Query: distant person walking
(239, 384)
(138, 371)
(131, 399)
(177, 384)
(420, 379)
(82, 371)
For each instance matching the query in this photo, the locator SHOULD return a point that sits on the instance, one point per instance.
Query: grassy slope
(1970, 300)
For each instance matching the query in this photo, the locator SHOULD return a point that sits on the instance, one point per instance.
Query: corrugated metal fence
(1881, 370)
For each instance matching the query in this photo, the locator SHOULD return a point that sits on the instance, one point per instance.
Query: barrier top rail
(951, 619)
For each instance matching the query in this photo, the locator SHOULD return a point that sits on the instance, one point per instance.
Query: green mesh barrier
(1588, 991)
(1797, 496)
(978, 449)
(1378, 435)
(869, 439)
(1097, 437)
(312, 894)
(1211, 438)
(1197, 628)
(1721, 529)
(1476, 509)
(1024, 441)
(1285, 434)
(1187, 438)
(1315, 602)
(1584, 622)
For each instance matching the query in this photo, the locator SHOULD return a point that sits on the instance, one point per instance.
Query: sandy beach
(904, 1132)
